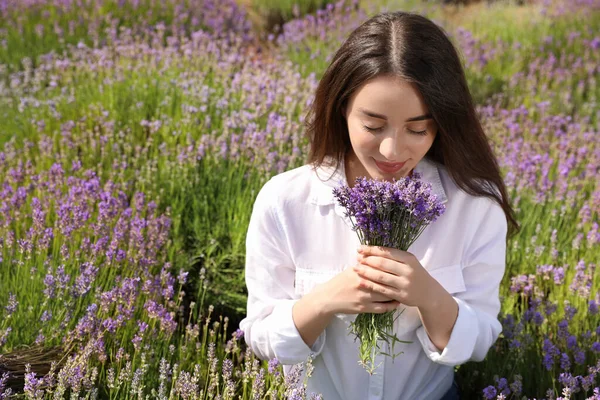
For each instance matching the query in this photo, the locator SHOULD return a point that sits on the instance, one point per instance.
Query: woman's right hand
(346, 293)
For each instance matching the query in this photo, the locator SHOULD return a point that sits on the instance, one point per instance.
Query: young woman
(393, 100)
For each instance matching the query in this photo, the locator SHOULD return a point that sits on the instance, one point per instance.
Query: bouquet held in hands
(390, 215)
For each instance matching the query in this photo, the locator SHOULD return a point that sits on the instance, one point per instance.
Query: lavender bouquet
(389, 214)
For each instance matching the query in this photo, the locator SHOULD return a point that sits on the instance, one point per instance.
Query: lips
(389, 168)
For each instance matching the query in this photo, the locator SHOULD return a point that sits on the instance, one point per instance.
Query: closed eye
(369, 129)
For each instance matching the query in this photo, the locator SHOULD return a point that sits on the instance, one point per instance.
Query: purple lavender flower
(258, 385)
(46, 316)
(563, 329)
(39, 340)
(517, 385)
(273, 364)
(489, 392)
(579, 356)
(158, 311)
(565, 362)
(593, 307)
(559, 275)
(227, 377)
(550, 352)
(390, 214)
(5, 393)
(137, 339)
(587, 382)
(142, 325)
(571, 341)
(83, 283)
(12, 304)
(238, 334)
(502, 383)
(4, 335)
(182, 277)
(110, 325)
(570, 312)
(186, 386)
(32, 384)
(569, 381)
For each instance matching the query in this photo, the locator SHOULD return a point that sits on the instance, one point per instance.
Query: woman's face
(388, 122)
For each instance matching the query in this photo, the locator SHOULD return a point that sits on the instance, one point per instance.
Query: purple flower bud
(579, 357)
(377, 207)
(238, 334)
(143, 326)
(4, 335)
(489, 392)
(273, 364)
(517, 386)
(502, 383)
(46, 316)
(182, 277)
(12, 304)
(563, 328)
(565, 362)
(571, 341)
(5, 393)
(593, 307)
(559, 276)
(137, 339)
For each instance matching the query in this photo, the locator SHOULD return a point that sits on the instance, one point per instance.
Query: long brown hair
(415, 49)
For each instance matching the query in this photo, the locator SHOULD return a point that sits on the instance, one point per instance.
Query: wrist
(437, 296)
(319, 302)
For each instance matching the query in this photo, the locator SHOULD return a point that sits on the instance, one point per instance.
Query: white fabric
(298, 237)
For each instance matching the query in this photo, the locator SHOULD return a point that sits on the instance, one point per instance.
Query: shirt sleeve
(477, 326)
(269, 329)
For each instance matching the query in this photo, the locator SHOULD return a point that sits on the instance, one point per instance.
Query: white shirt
(298, 237)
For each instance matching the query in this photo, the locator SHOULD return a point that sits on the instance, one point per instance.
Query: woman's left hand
(398, 275)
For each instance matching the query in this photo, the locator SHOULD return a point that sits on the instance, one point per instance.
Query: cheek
(421, 144)
(361, 141)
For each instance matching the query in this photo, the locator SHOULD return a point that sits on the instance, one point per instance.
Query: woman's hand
(397, 275)
(400, 276)
(348, 293)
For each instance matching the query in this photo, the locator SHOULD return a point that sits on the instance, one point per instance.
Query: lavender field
(135, 135)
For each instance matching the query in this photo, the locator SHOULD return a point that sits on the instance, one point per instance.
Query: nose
(392, 146)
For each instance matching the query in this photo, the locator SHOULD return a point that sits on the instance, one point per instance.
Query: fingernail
(360, 249)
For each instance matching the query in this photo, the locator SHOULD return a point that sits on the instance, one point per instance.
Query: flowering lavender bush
(134, 135)
(389, 214)
(33, 28)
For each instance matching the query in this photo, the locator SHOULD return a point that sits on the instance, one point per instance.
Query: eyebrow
(381, 116)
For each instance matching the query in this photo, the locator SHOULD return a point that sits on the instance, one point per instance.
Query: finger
(371, 286)
(375, 297)
(377, 275)
(385, 252)
(383, 307)
(385, 264)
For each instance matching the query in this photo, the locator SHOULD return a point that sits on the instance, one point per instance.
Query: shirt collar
(327, 178)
